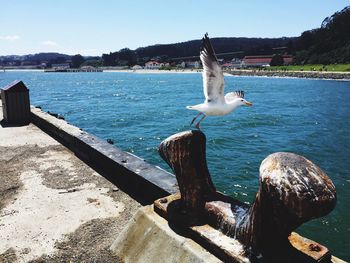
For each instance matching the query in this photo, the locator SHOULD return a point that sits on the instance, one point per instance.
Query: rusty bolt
(314, 247)
(163, 200)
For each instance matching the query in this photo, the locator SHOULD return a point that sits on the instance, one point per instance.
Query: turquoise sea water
(137, 111)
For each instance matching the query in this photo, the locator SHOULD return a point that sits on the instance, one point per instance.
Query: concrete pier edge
(139, 179)
(149, 238)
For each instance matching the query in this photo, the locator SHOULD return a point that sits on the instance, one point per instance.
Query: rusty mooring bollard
(185, 154)
(292, 191)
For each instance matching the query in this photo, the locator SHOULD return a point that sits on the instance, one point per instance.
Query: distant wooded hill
(325, 45)
(328, 44)
(227, 48)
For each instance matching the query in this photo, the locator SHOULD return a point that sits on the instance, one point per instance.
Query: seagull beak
(247, 103)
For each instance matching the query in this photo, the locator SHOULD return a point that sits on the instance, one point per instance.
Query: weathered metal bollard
(292, 191)
(185, 154)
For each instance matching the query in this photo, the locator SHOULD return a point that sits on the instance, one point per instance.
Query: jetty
(72, 70)
(69, 196)
(66, 68)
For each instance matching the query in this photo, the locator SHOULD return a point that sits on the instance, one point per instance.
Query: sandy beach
(345, 76)
(250, 73)
(155, 71)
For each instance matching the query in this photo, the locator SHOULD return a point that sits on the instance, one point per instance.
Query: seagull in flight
(215, 104)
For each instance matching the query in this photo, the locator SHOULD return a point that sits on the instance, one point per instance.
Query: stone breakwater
(292, 74)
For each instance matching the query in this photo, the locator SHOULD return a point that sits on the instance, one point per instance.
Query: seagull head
(244, 102)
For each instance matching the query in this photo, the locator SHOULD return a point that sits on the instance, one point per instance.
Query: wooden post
(185, 154)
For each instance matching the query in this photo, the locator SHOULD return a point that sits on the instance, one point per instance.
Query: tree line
(328, 44)
(325, 45)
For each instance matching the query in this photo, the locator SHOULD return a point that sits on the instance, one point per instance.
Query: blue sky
(92, 27)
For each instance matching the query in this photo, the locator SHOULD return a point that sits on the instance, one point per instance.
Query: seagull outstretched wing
(213, 78)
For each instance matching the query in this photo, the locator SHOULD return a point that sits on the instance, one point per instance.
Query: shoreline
(345, 76)
(154, 71)
(342, 76)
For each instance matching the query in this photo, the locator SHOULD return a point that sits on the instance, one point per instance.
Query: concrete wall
(149, 238)
(142, 181)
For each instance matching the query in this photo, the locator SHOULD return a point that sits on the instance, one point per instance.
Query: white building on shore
(153, 65)
(192, 64)
(61, 66)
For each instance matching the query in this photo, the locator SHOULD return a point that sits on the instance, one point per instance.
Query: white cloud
(10, 37)
(49, 43)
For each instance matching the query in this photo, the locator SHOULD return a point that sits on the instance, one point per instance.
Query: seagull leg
(195, 118)
(197, 125)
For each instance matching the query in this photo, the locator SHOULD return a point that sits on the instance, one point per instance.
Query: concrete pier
(54, 207)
